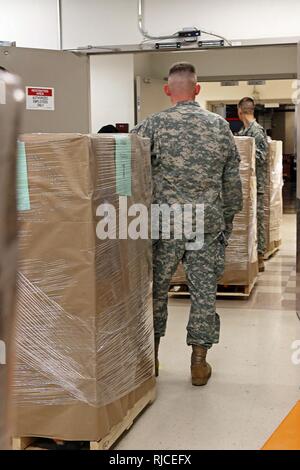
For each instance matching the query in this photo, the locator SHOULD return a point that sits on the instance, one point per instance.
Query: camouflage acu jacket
(194, 160)
(256, 131)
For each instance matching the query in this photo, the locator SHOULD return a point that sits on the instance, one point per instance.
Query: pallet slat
(223, 291)
(22, 443)
(270, 253)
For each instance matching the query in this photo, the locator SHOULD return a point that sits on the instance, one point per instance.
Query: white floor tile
(254, 382)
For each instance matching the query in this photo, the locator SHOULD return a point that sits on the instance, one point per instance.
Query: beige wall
(67, 73)
(33, 23)
(274, 90)
(154, 100)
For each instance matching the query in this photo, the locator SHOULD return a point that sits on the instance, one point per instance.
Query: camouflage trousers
(203, 268)
(261, 235)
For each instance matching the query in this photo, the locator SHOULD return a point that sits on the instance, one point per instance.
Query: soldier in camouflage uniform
(194, 160)
(252, 129)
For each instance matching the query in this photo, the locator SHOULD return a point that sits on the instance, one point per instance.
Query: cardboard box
(85, 322)
(273, 197)
(9, 118)
(241, 265)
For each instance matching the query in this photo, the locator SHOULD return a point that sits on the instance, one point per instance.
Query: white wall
(33, 23)
(112, 90)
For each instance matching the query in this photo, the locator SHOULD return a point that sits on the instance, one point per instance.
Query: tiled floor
(254, 382)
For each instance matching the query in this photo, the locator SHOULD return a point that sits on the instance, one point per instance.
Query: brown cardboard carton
(85, 326)
(241, 266)
(273, 197)
(9, 123)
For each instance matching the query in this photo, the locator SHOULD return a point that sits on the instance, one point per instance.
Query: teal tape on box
(123, 165)
(23, 200)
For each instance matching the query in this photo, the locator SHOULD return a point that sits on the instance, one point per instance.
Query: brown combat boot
(200, 369)
(261, 263)
(156, 347)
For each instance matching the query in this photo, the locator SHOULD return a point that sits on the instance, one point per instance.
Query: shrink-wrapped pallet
(273, 198)
(85, 326)
(241, 265)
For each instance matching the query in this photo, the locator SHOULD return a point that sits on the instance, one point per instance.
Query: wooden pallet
(270, 253)
(223, 291)
(22, 443)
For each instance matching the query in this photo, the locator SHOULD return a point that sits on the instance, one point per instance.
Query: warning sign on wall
(40, 98)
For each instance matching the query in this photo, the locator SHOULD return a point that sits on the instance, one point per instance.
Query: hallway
(254, 383)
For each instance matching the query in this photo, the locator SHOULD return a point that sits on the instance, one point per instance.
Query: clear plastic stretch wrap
(241, 254)
(85, 322)
(10, 98)
(241, 265)
(273, 205)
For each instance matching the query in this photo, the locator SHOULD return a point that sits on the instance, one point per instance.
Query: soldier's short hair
(184, 71)
(247, 105)
(184, 67)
